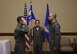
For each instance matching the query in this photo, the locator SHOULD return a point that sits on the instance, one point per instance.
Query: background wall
(9, 10)
(65, 9)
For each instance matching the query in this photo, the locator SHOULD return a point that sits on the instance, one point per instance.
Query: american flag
(27, 34)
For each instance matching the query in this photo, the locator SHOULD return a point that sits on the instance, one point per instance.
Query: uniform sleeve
(57, 29)
(26, 29)
(57, 35)
(15, 34)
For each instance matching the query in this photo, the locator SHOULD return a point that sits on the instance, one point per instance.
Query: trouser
(37, 49)
(20, 48)
(53, 50)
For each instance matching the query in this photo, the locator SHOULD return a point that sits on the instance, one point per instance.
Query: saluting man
(19, 35)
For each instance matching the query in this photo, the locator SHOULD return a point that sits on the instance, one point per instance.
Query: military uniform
(37, 35)
(54, 37)
(19, 36)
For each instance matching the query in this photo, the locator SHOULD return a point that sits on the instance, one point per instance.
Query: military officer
(37, 35)
(19, 35)
(54, 34)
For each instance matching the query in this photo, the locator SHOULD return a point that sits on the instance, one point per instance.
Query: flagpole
(31, 25)
(31, 17)
(30, 12)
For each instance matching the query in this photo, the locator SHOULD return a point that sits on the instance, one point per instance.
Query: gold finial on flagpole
(30, 2)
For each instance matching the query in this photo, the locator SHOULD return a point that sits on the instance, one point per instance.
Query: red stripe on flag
(27, 41)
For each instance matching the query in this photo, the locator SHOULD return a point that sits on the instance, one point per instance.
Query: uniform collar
(54, 21)
(19, 25)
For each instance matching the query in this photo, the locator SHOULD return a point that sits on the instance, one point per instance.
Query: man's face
(51, 17)
(23, 21)
(37, 23)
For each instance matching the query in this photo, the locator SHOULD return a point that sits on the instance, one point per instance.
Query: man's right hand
(24, 21)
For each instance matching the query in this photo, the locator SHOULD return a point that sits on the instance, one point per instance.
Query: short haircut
(19, 18)
(54, 14)
(37, 20)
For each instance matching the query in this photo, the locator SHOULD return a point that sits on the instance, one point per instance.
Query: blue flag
(31, 15)
(46, 23)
